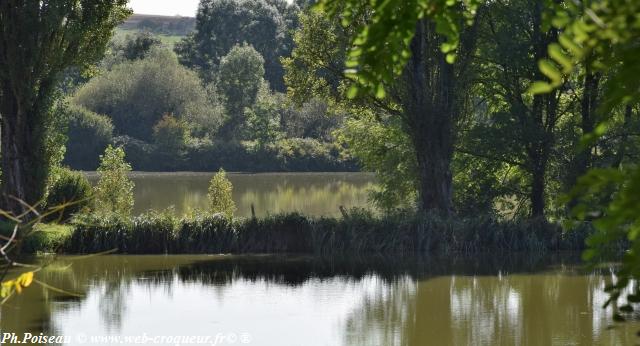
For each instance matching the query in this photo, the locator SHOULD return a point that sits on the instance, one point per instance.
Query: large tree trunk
(543, 119)
(429, 108)
(588, 105)
(22, 155)
(537, 196)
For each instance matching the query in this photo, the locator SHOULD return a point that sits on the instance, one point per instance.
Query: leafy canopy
(381, 48)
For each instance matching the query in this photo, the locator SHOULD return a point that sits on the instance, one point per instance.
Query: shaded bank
(355, 233)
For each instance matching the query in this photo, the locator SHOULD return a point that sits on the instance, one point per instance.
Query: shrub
(170, 134)
(114, 191)
(220, 198)
(69, 194)
(88, 135)
(135, 94)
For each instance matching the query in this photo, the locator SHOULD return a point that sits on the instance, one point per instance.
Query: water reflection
(517, 300)
(317, 194)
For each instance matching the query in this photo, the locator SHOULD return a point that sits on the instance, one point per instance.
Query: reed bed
(357, 232)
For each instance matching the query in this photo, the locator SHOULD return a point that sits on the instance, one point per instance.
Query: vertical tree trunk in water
(429, 114)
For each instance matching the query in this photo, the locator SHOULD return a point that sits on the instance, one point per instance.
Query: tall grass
(358, 232)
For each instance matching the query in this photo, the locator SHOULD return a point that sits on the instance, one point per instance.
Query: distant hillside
(161, 25)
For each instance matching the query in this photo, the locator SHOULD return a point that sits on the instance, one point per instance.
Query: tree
(428, 96)
(514, 40)
(114, 191)
(223, 24)
(39, 39)
(240, 78)
(263, 120)
(220, 195)
(136, 94)
(140, 44)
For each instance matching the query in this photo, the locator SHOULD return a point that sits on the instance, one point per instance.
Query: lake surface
(290, 301)
(315, 194)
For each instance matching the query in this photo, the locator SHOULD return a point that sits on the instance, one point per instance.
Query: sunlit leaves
(114, 191)
(16, 285)
(220, 195)
(603, 34)
(381, 48)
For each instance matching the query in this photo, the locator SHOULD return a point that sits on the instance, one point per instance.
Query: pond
(316, 194)
(291, 300)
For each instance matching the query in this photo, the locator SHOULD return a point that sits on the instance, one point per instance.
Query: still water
(317, 194)
(291, 301)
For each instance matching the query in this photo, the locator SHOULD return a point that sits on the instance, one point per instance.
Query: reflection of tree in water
(111, 298)
(406, 300)
(539, 309)
(315, 194)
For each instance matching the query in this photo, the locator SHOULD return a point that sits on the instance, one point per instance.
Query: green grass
(44, 238)
(47, 238)
(359, 232)
(168, 40)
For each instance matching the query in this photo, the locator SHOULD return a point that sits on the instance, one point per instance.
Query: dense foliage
(222, 24)
(239, 80)
(136, 94)
(88, 135)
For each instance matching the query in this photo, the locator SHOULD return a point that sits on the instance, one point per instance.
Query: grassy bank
(358, 232)
(47, 238)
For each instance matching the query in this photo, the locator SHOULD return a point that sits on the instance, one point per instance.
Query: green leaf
(540, 88)
(555, 52)
(571, 46)
(550, 70)
(353, 92)
(451, 58)
(380, 92)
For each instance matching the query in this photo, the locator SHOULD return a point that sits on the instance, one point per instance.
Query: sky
(185, 8)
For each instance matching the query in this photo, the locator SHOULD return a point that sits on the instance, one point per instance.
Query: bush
(135, 94)
(114, 191)
(170, 134)
(69, 194)
(88, 135)
(220, 198)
